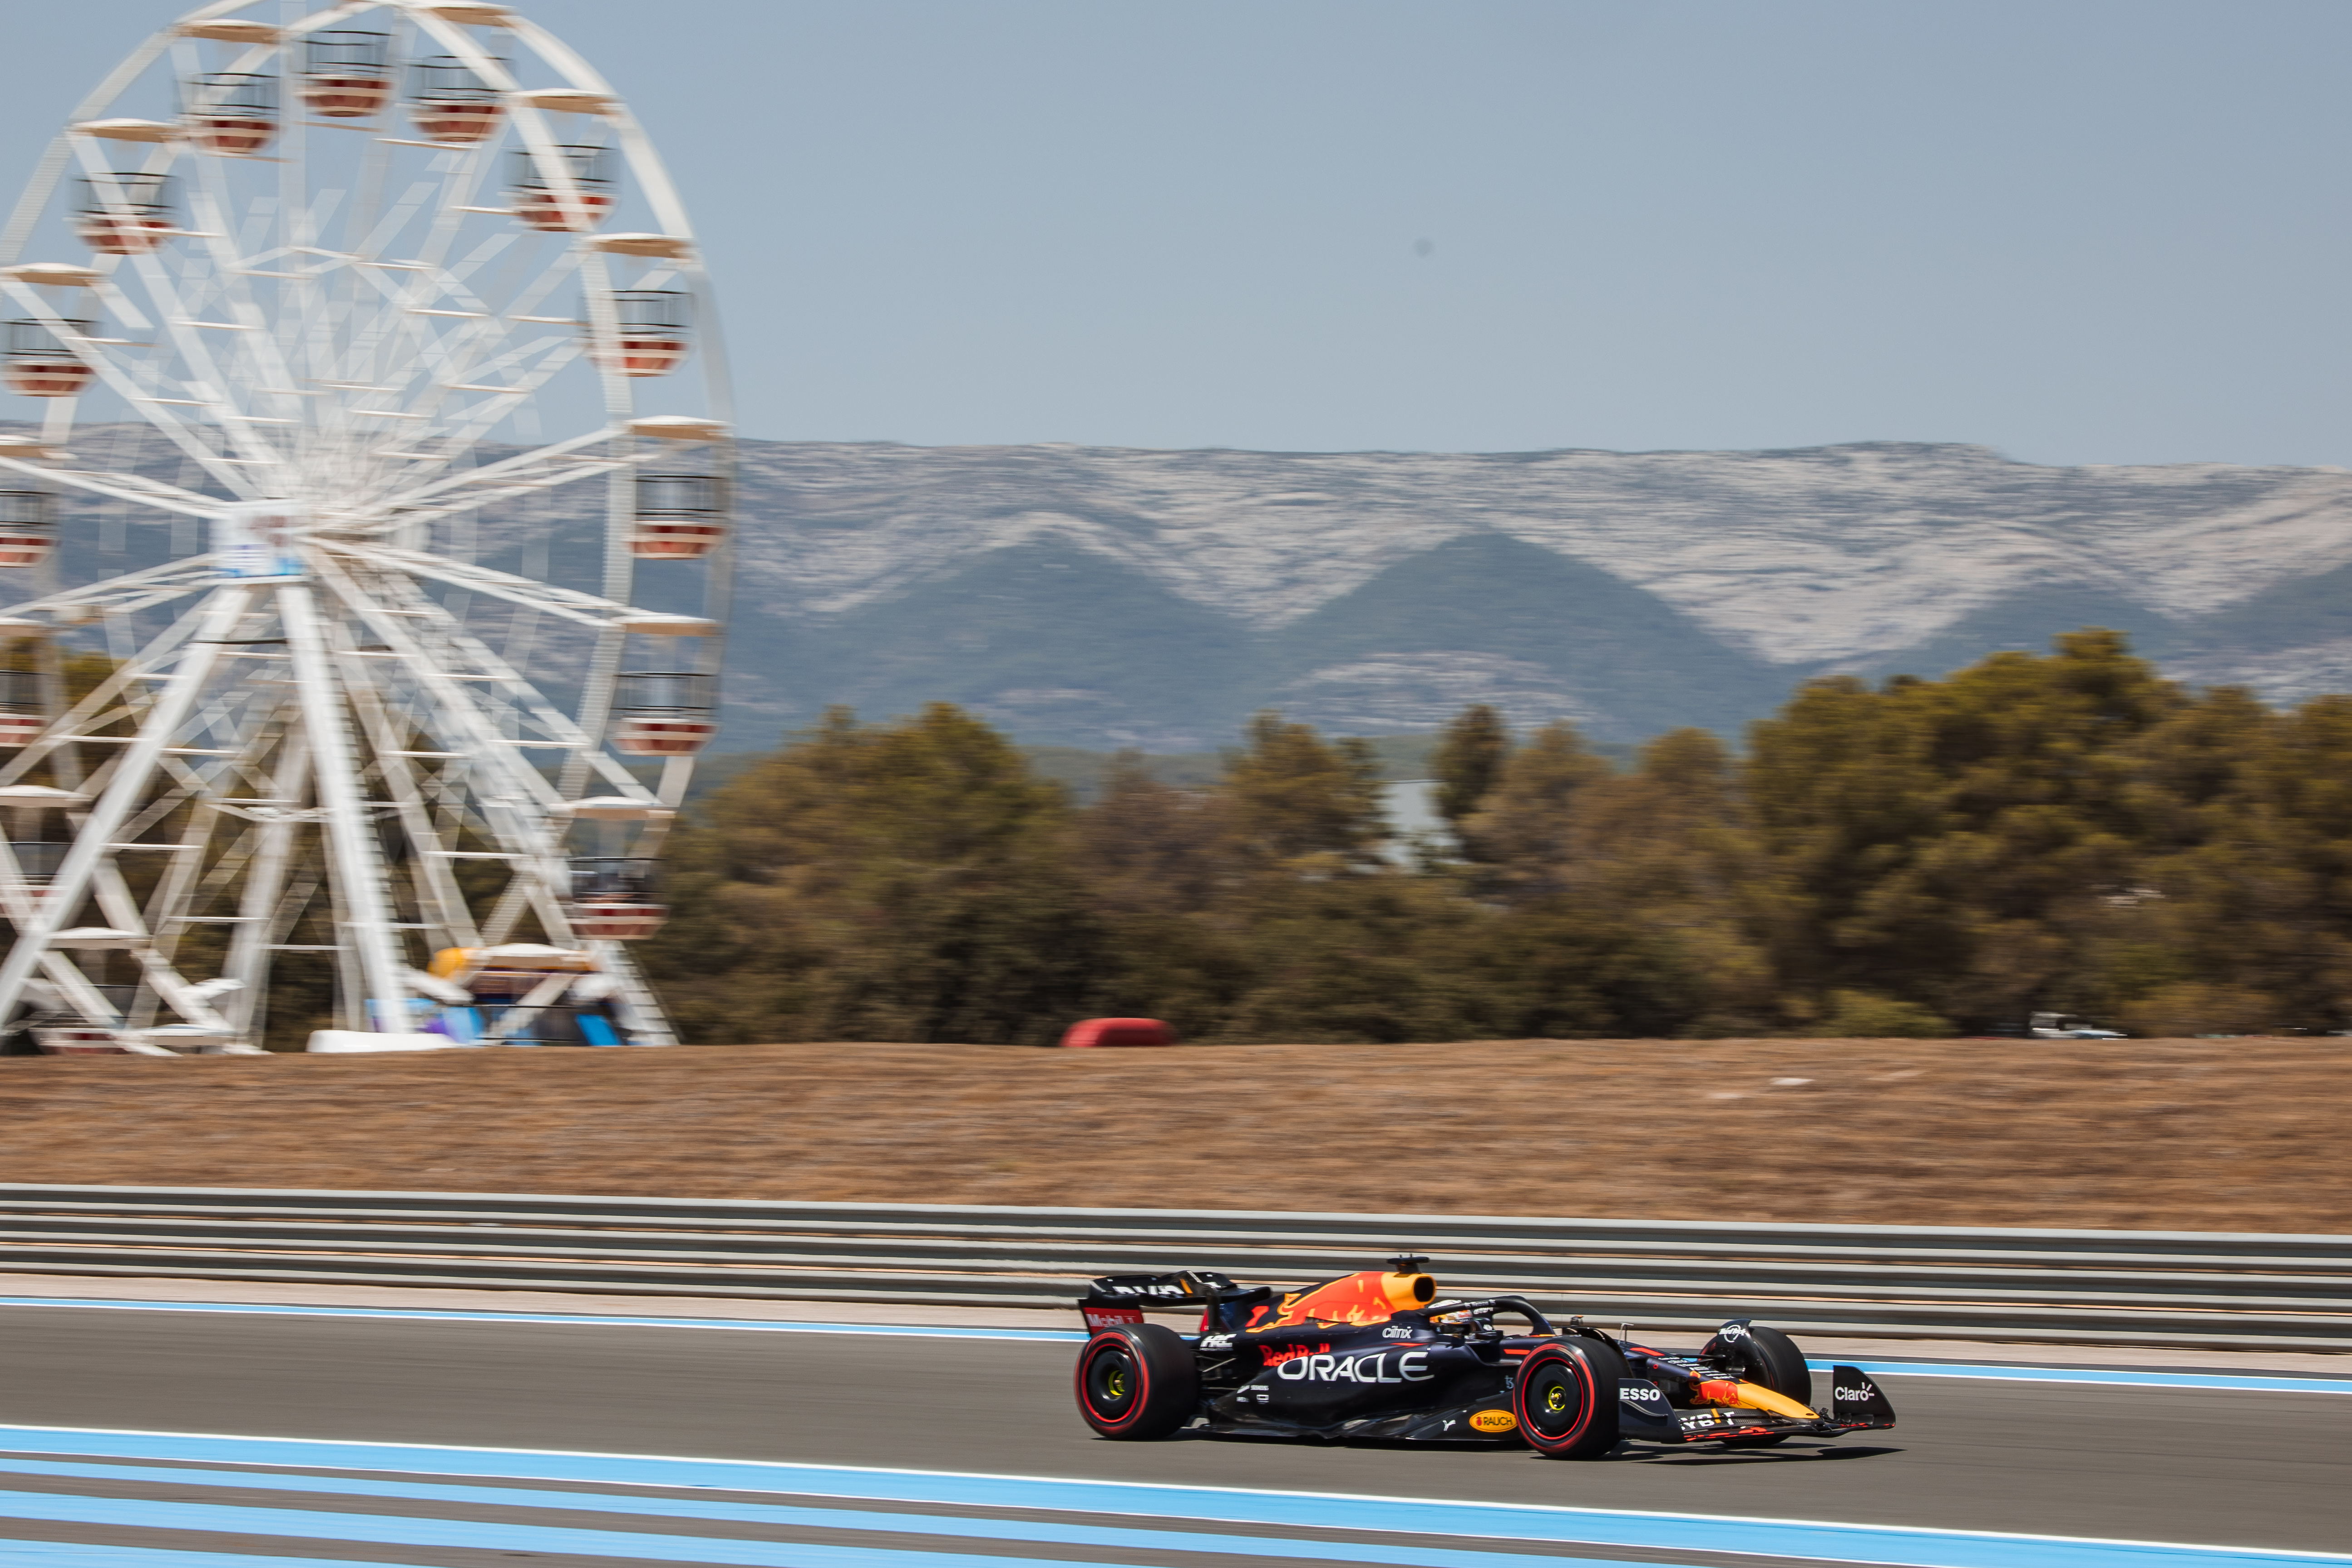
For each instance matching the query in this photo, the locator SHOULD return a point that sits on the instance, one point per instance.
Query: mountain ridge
(1116, 597)
(1770, 566)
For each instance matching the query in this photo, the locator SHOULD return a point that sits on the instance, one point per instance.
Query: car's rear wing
(1117, 1298)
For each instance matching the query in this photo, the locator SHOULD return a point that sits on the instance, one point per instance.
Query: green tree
(1301, 801)
(904, 881)
(1525, 826)
(1468, 761)
(1936, 838)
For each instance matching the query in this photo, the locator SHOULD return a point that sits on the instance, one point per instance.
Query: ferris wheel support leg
(256, 909)
(437, 893)
(365, 914)
(646, 1022)
(114, 807)
(122, 910)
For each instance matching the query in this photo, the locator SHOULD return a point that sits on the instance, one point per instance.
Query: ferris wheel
(387, 316)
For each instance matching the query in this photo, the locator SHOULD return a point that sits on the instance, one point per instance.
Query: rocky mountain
(1099, 597)
(1103, 598)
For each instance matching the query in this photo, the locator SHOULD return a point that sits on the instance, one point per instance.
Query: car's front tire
(1139, 1380)
(1565, 1398)
(1764, 1355)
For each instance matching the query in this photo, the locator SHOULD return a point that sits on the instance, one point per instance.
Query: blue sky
(2076, 231)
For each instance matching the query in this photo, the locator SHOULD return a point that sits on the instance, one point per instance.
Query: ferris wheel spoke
(504, 491)
(577, 741)
(175, 317)
(460, 718)
(125, 595)
(124, 384)
(517, 465)
(266, 371)
(571, 604)
(134, 487)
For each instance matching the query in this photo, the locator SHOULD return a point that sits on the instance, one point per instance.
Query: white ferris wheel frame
(241, 769)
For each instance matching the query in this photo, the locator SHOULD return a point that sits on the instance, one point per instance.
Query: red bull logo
(1370, 1297)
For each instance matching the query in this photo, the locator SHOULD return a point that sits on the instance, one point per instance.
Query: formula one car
(1378, 1355)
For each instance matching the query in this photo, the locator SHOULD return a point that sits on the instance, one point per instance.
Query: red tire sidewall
(1580, 1369)
(1142, 1370)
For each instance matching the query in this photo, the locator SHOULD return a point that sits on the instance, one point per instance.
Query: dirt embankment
(2243, 1135)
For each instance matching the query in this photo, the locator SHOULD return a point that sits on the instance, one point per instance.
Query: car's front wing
(1855, 1405)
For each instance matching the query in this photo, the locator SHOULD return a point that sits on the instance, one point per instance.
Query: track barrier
(2189, 1288)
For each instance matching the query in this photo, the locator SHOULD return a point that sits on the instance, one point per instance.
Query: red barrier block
(1119, 1032)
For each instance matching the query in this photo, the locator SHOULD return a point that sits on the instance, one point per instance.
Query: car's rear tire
(1137, 1381)
(1565, 1398)
(1764, 1355)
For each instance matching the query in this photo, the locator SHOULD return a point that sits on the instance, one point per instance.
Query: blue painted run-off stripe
(2115, 1377)
(785, 1517)
(1582, 1527)
(75, 1554)
(384, 1529)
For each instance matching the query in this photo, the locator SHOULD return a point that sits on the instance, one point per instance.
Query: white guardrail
(2113, 1287)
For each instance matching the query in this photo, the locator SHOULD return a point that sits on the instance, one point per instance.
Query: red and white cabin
(233, 135)
(458, 122)
(343, 97)
(600, 920)
(122, 234)
(77, 1040)
(45, 376)
(233, 113)
(549, 212)
(23, 547)
(645, 353)
(347, 75)
(660, 734)
(674, 540)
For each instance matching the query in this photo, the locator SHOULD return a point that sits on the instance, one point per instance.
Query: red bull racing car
(1378, 1355)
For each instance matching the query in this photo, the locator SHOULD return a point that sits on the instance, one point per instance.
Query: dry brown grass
(2182, 1134)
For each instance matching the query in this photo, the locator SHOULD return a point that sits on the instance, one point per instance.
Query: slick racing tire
(1137, 1381)
(1565, 1398)
(1765, 1355)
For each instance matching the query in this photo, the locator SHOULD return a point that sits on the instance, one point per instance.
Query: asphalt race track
(2206, 1466)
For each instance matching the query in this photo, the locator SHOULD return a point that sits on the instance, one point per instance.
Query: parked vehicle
(2067, 1026)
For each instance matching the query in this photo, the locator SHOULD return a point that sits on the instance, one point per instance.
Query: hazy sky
(2078, 232)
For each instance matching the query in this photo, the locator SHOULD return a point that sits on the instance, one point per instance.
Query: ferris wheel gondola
(360, 306)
